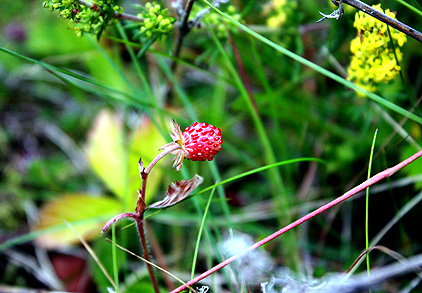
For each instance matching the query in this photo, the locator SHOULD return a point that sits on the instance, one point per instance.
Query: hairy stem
(141, 230)
(378, 177)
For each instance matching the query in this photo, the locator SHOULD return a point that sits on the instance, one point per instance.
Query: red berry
(202, 141)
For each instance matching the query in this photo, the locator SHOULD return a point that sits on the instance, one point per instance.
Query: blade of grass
(113, 65)
(114, 256)
(172, 58)
(320, 69)
(151, 263)
(146, 47)
(239, 176)
(264, 168)
(414, 9)
(92, 253)
(400, 214)
(280, 196)
(201, 228)
(397, 127)
(367, 202)
(53, 229)
(243, 175)
(144, 82)
(127, 98)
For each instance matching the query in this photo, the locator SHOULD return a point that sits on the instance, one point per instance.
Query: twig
(184, 29)
(404, 28)
(378, 177)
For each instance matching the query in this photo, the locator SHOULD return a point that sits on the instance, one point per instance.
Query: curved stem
(140, 206)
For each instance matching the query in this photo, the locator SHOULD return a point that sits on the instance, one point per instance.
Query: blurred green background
(71, 135)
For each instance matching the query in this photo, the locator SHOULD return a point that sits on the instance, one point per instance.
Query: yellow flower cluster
(373, 59)
(279, 11)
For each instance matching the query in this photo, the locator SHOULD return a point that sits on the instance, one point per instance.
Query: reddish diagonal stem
(380, 176)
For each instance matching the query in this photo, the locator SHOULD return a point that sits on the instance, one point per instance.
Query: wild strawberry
(202, 141)
(199, 142)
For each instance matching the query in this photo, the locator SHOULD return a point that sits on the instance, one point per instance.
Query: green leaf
(74, 208)
(105, 151)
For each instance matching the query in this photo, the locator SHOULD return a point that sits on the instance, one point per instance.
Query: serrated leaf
(105, 152)
(177, 192)
(145, 142)
(78, 209)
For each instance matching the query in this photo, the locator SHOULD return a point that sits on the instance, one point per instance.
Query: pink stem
(117, 218)
(378, 177)
(161, 155)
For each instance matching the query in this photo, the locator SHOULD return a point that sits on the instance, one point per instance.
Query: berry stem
(140, 207)
(142, 235)
(371, 181)
(166, 151)
(138, 216)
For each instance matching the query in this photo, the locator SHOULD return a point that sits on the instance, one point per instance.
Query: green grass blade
(247, 173)
(124, 97)
(280, 197)
(244, 174)
(53, 229)
(201, 228)
(114, 255)
(112, 64)
(413, 8)
(367, 202)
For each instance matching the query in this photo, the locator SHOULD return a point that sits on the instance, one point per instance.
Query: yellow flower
(279, 12)
(373, 60)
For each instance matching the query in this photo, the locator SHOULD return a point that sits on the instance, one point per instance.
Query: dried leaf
(141, 168)
(177, 192)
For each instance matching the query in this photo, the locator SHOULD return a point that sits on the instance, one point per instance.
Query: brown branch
(184, 29)
(394, 23)
(404, 28)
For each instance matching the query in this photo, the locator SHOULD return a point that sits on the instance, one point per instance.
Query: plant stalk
(141, 230)
(376, 178)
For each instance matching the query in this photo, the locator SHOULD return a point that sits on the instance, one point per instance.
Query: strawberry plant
(319, 106)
